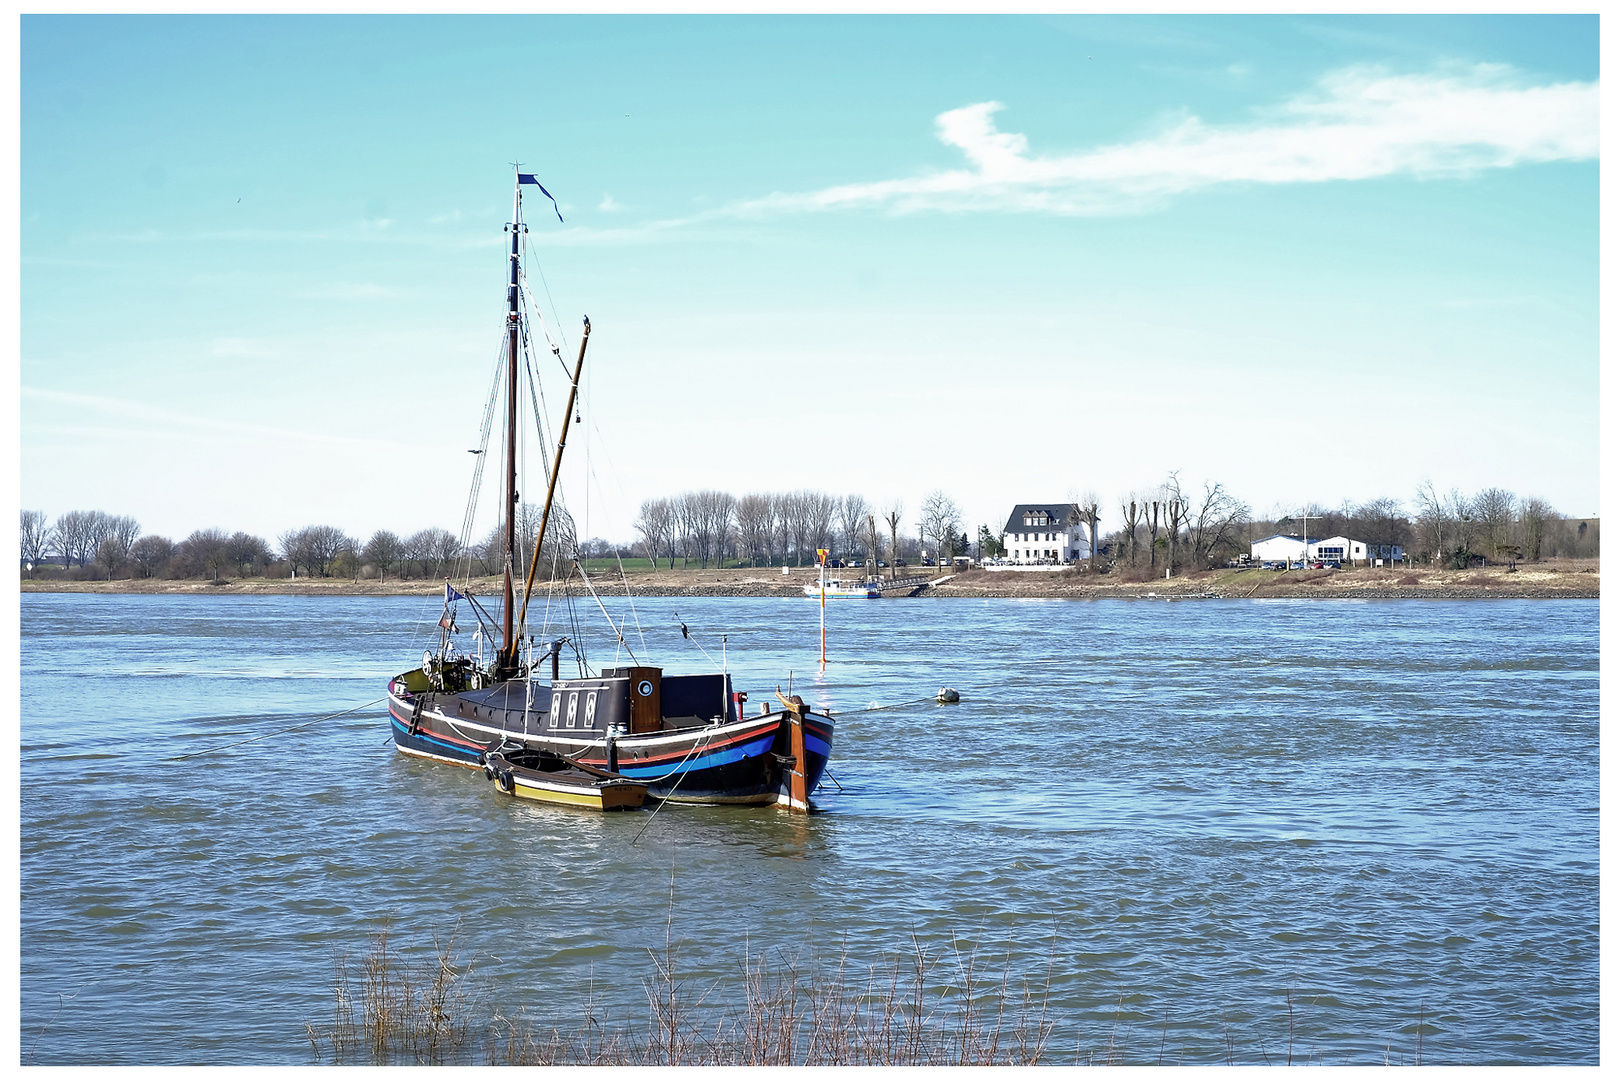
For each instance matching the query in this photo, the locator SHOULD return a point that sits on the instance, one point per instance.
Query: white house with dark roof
(1045, 534)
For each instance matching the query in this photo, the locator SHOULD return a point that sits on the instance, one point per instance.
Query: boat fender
(504, 779)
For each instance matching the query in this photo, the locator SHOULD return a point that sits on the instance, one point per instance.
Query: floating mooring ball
(947, 696)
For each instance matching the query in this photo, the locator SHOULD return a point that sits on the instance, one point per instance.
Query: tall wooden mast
(507, 664)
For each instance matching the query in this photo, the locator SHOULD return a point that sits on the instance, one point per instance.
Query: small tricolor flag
(528, 178)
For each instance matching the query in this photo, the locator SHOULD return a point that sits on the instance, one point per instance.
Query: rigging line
(483, 453)
(546, 287)
(630, 597)
(536, 400)
(604, 610)
(695, 641)
(273, 734)
(673, 787)
(545, 327)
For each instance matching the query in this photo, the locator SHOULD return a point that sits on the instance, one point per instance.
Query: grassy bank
(1562, 578)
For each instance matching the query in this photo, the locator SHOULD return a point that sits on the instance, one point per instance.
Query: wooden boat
(684, 738)
(530, 773)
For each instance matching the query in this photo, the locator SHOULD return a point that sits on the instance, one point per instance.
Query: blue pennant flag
(451, 594)
(528, 178)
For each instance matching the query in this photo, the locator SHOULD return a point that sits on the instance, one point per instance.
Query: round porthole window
(644, 688)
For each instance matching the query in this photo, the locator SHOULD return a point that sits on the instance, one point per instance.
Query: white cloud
(1355, 124)
(608, 205)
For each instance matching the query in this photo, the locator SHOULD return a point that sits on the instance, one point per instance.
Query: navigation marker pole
(821, 560)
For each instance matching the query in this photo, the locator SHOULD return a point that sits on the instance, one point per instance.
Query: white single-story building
(1045, 534)
(1344, 549)
(1278, 548)
(1281, 548)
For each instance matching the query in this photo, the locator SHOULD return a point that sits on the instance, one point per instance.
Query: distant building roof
(1057, 516)
(1280, 536)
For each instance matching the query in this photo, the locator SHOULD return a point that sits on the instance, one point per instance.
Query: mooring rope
(283, 731)
(879, 708)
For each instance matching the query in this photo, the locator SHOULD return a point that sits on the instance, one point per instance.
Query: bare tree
(1085, 513)
(1215, 522)
(654, 522)
(1433, 520)
(202, 554)
(79, 534)
(35, 537)
(383, 551)
(1175, 517)
(1381, 523)
(427, 549)
(852, 515)
(1494, 509)
(873, 542)
(149, 554)
(1151, 513)
(823, 511)
(1534, 513)
(117, 534)
(705, 518)
(1131, 512)
(1465, 522)
(940, 520)
(246, 552)
(893, 518)
(444, 548)
(754, 527)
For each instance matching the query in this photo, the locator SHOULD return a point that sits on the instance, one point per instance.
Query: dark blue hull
(741, 761)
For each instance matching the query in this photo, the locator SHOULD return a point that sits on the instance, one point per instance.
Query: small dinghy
(531, 773)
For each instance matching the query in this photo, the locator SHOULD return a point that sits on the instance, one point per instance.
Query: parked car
(883, 564)
(928, 562)
(899, 562)
(835, 563)
(1332, 564)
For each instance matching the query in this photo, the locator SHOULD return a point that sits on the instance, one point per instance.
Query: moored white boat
(838, 589)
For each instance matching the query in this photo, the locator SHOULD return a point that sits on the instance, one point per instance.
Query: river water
(1173, 817)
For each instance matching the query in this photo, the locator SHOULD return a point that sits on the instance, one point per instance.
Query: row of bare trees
(1493, 524)
(774, 528)
(1169, 526)
(92, 542)
(1201, 526)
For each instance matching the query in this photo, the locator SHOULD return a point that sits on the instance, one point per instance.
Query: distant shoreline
(1562, 579)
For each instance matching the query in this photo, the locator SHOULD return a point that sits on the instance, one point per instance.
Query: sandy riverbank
(1563, 579)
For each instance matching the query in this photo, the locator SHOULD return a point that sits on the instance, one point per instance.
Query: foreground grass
(920, 1009)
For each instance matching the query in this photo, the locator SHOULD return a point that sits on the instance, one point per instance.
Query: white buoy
(947, 696)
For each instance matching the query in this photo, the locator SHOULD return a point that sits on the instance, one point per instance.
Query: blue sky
(1313, 259)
